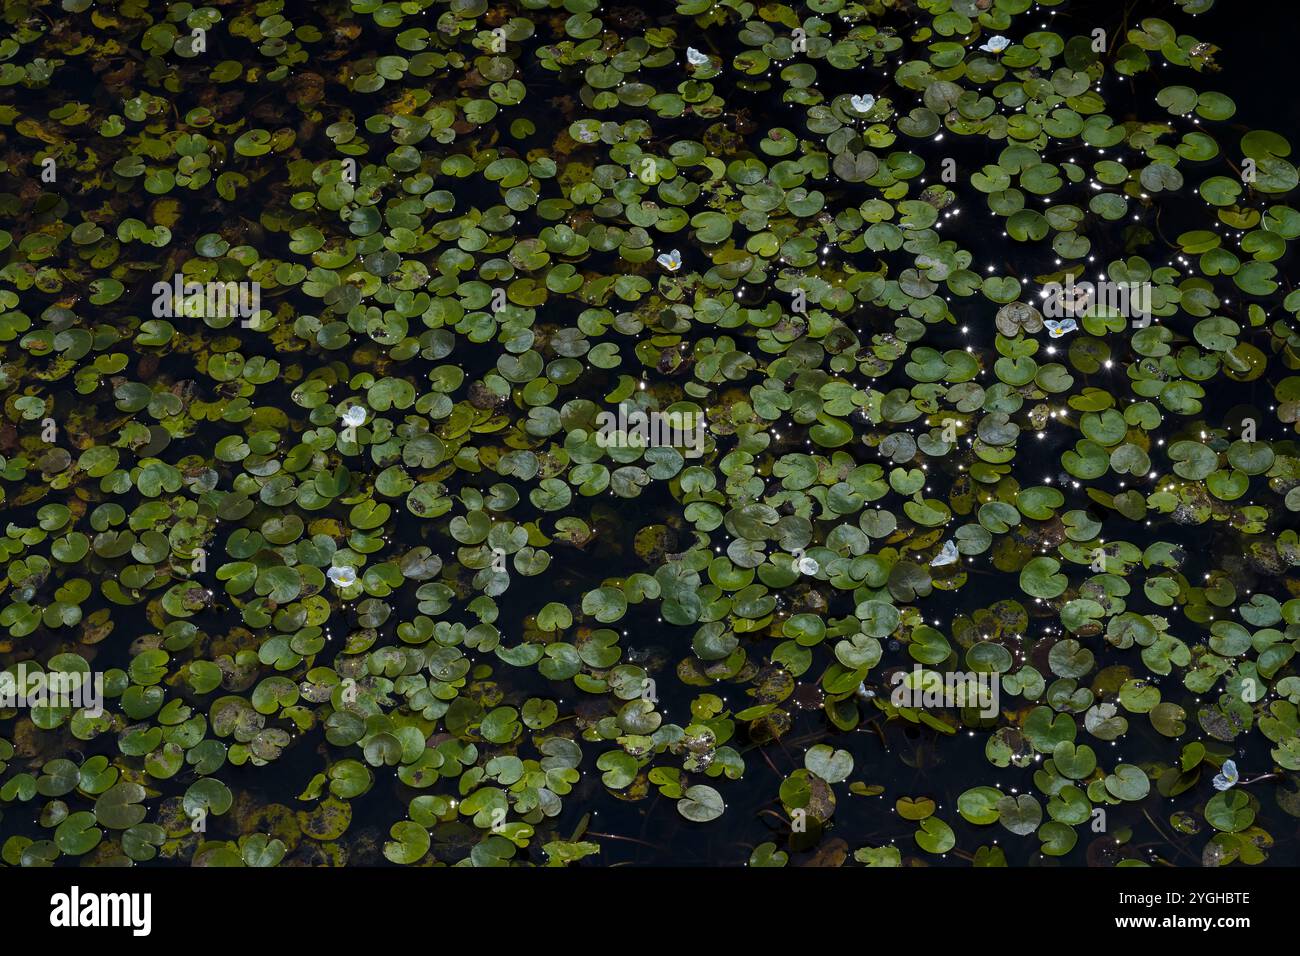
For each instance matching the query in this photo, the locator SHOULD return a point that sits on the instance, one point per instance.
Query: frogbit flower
(695, 58)
(996, 44)
(947, 555)
(344, 575)
(862, 102)
(1057, 329)
(1228, 778)
(354, 416)
(672, 261)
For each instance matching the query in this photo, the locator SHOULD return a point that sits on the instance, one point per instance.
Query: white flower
(354, 416)
(672, 261)
(1057, 329)
(862, 103)
(586, 134)
(695, 58)
(947, 555)
(1228, 778)
(996, 44)
(344, 576)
